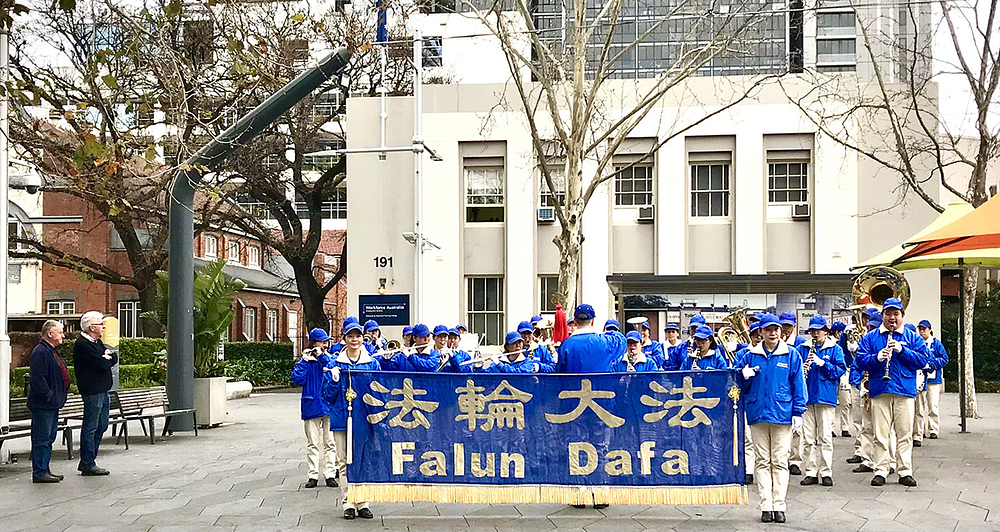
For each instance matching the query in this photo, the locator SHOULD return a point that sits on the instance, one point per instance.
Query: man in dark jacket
(93, 362)
(46, 395)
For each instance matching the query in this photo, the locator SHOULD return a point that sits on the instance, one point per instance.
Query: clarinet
(885, 376)
(808, 363)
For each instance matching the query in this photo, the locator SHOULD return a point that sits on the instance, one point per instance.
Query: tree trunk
(968, 310)
(311, 295)
(147, 301)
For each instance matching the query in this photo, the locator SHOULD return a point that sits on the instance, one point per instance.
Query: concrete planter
(210, 400)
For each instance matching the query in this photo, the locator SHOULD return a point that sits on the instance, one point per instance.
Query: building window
(272, 324)
(253, 256)
(432, 52)
(835, 50)
(634, 185)
(211, 247)
(558, 175)
(250, 324)
(60, 307)
(484, 194)
(485, 304)
(14, 231)
(788, 182)
(233, 254)
(709, 190)
(322, 163)
(327, 107)
(128, 318)
(549, 286)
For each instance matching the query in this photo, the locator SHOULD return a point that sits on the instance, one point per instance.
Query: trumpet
(312, 353)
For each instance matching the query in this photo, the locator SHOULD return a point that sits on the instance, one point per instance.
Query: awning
(774, 283)
(974, 237)
(953, 212)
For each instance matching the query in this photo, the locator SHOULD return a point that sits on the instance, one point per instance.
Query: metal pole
(5, 356)
(961, 343)
(180, 337)
(418, 166)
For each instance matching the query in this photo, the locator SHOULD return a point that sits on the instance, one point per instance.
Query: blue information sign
(391, 309)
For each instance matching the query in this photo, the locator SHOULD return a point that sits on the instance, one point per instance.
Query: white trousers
(817, 440)
(857, 419)
(893, 415)
(843, 418)
(340, 438)
(921, 411)
(795, 452)
(934, 408)
(748, 453)
(320, 454)
(771, 446)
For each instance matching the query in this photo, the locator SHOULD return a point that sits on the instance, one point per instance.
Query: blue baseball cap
(787, 318)
(870, 310)
(453, 332)
(440, 329)
(892, 302)
(525, 327)
(584, 312)
(697, 319)
(461, 326)
(347, 321)
(421, 331)
(910, 327)
(755, 317)
(512, 337)
(535, 319)
(754, 325)
(924, 323)
(612, 325)
(371, 325)
(703, 331)
(351, 327)
(407, 330)
(767, 319)
(644, 323)
(838, 327)
(875, 319)
(817, 322)
(569, 321)
(633, 336)
(672, 327)
(318, 335)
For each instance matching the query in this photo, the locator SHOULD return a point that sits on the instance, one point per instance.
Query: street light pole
(418, 166)
(4, 244)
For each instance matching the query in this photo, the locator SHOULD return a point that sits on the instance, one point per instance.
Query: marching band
(881, 383)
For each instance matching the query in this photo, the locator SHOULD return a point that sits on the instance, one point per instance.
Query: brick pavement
(248, 476)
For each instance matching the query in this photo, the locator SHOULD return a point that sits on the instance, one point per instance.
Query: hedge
(129, 376)
(985, 345)
(261, 363)
(130, 350)
(258, 350)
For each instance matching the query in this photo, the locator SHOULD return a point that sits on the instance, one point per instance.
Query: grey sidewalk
(249, 476)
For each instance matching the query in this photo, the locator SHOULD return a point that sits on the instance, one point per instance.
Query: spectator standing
(93, 361)
(47, 394)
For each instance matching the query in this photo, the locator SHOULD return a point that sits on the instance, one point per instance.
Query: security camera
(29, 182)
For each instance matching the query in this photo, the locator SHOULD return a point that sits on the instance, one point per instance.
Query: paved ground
(249, 475)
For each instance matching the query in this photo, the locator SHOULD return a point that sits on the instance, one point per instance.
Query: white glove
(819, 362)
(730, 346)
(748, 372)
(897, 347)
(534, 368)
(335, 373)
(884, 354)
(796, 424)
(852, 346)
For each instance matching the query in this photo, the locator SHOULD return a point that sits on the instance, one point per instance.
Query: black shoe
(827, 481)
(863, 469)
(794, 470)
(855, 460)
(350, 513)
(332, 483)
(878, 480)
(917, 443)
(779, 517)
(60, 477)
(933, 436)
(95, 472)
(47, 479)
(578, 505)
(892, 470)
(311, 483)
(750, 479)
(809, 481)
(767, 517)
(600, 506)
(365, 513)
(845, 434)
(908, 481)
(834, 434)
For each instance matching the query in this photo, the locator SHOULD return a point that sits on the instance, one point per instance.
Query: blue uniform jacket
(425, 361)
(777, 392)
(585, 351)
(309, 375)
(824, 381)
(676, 355)
(642, 364)
(454, 364)
(935, 375)
(521, 364)
(654, 352)
(903, 366)
(395, 362)
(334, 392)
(716, 360)
(848, 357)
(856, 374)
(799, 341)
(546, 358)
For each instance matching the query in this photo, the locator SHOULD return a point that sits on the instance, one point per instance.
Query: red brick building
(268, 309)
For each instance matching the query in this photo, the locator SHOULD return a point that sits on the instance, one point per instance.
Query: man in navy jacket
(897, 353)
(92, 362)
(46, 395)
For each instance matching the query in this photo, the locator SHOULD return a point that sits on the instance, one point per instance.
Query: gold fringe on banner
(499, 494)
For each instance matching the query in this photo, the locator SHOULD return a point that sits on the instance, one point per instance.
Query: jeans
(95, 422)
(43, 432)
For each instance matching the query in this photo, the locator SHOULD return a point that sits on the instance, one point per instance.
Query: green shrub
(129, 376)
(986, 342)
(259, 351)
(66, 350)
(140, 350)
(261, 371)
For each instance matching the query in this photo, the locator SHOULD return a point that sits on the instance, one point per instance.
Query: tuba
(878, 283)
(738, 331)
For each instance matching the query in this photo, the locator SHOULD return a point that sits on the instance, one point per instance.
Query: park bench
(145, 405)
(70, 417)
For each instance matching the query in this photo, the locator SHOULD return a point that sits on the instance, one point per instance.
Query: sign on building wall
(391, 309)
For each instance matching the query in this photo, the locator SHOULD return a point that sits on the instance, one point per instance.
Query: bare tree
(895, 102)
(565, 76)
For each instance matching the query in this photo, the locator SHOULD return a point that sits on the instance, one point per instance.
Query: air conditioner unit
(546, 214)
(645, 215)
(800, 211)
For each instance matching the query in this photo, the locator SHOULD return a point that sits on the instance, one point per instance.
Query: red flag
(559, 330)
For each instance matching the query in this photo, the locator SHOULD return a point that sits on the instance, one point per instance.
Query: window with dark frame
(128, 318)
(485, 308)
(60, 307)
(710, 190)
(432, 52)
(558, 174)
(634, 185)
(549, 285)
(250, 324)
(788, 182)
(484, 200)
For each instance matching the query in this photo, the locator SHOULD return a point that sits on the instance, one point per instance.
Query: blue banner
(547, 435)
